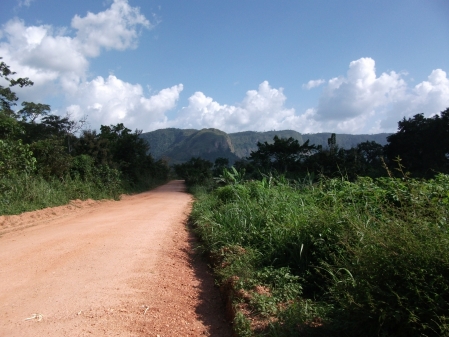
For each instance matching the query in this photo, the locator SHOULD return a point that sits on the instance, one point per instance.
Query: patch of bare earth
(110, 268)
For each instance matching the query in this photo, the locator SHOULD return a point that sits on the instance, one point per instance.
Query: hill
(163, 140)
(179, 145)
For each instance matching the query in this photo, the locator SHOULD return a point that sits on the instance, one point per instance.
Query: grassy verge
(22, 193)
(369, 258)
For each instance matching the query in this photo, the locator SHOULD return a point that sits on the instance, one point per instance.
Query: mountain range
(179, 145)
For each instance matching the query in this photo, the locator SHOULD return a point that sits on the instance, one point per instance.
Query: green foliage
(422, 144)
(128, 153)
(43, 162)
(91, 144)
(9, 128)
(220, 164)
(15, 158)
(83, 168)
(282, 155)
(196, 171)
(52, 158)
(230, 176)
(338, 258)
(31, 111)
(286, 156)
(246, 142)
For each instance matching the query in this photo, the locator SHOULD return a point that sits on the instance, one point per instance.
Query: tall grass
(369, 258)
(27, 192)
(21, 193)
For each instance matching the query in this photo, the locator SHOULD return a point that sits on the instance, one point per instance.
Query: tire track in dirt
(111, 268)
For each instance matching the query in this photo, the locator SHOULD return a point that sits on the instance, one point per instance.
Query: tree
(64, 128)
(15, 157)
(8, 98)
(195, 171)
(91, 144)
(220, 164)
(52, 158)
(10, 128)
(32, 111)
(422, 144)
(129, 153)
(284, 154)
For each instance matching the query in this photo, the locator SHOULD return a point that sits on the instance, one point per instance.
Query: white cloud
(362, 102)
(432, 95)
(58, 63)
(40, 48)
(359, 93)
(111, 101)
(428, 97)
(115, 28)
(261, 109)
(48, 49)
(313, 84)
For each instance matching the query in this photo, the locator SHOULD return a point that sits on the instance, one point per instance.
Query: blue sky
(342, 66)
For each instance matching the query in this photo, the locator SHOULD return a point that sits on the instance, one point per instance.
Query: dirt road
(111, 268)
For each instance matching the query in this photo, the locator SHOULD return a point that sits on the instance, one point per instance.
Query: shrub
(368, 258)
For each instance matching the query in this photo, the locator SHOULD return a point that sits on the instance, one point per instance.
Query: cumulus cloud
(58, 64)
(57, 60)
(114, 28)
(359, 93)
(261, 109)
(362, 101)
(111, 100)
(359, 102)
(313, 84)
(428, 97)
(49, 49)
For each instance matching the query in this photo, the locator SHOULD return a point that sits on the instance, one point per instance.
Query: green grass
(24, 192)
(369, 258)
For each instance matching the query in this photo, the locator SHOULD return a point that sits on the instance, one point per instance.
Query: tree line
(420, 149)
(35, 142)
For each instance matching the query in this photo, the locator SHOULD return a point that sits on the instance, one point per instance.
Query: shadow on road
(211, 307)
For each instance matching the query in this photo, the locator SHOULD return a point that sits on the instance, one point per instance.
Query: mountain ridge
(179, 145)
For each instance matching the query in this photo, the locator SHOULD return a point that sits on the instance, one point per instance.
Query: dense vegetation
(336, 258)
(47, 160)
(314, 241)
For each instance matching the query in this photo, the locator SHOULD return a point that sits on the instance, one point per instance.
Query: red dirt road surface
(109, 268)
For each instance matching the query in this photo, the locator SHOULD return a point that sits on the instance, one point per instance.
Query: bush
(371, 257)
(15, 157)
